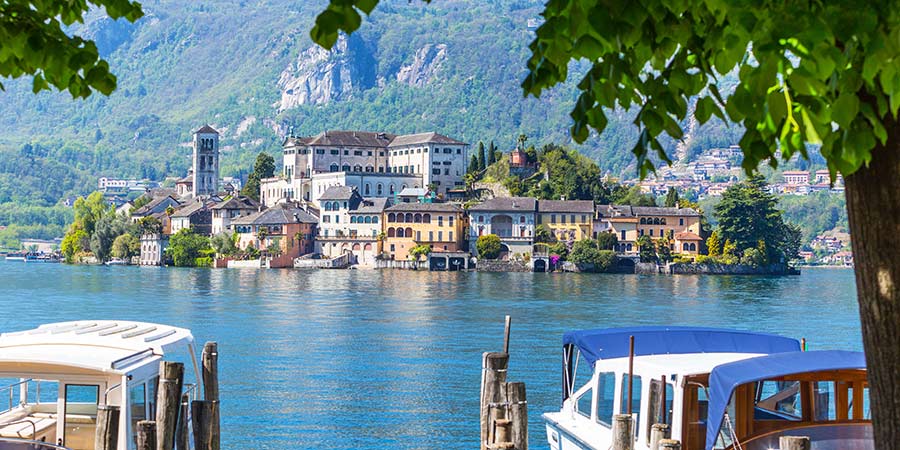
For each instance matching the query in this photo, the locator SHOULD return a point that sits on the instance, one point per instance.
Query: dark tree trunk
(873, 204)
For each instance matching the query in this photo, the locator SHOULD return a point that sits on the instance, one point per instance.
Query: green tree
(106, 230)
(646, 249)
(224, 244)
(473, 164)
(747, 214)
(88, 211)
(125, 246)
(664, 249)
(75, 241)
(482, 159)
(622, 195)
(729, 253)
(416, 253)
(36, 40)
(185, 247)
(714, 244)
(792, 242)
(587, 251)
(149, 225)
(672, 198)
(488, 246)
(264, 167)
(491, 154)
(542, 234)
(559, 249)
(139, 202)
(607, 241)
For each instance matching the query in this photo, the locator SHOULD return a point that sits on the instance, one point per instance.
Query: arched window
(417, 218)
(367, 219)
(357, 168)
(334, 167)
(656, 221)
(400, 232)
(662, 221)
(521, 219)
(327, 206)
(370, 169)
(685, 246)
(391, 217)
(643, 221)
(403, 186)
(408, 218)
(378, 189)
(391, 192)
(629, 247)
(693, 247)
(426, 218)
(346, 168)
(352, 219)
(391, 232)
(375, 219)
(368, 189)
(409, 232)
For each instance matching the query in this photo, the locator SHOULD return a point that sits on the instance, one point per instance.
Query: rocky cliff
(425, 65)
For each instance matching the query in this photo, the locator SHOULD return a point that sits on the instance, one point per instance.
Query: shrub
(488, 246)
(704, 259)
(559, 249)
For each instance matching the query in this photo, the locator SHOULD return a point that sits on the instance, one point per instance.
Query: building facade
(205, 180)
(285, 227)
(195, 215)
(510, 218)
(227, 210)
(349, 223)
(681, 226)
(439, 225)
(795, 177)
(568, 220)
(153, 249)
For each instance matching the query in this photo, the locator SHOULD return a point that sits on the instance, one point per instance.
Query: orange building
(440, 225)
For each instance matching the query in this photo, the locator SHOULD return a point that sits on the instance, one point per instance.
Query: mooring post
(201, 421)
(794, 443)
(518, 414)
(623, 432)
(658, 432)
(211, 389)
(506, 334)
(181, 433)
(106, 436)
(493, 375)
(168, 398)
(669, 444)
(146, 435)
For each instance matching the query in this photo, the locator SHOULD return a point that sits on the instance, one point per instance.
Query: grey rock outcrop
(425, 65)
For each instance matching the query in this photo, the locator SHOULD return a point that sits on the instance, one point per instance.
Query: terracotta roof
(206, 129)
(239, 202)
(687, 236)
(337, 193)
(277, 215)
(429, 207)
(526, 204)
(565, 206)
(423, 138)
(352, 139)
(663, 211)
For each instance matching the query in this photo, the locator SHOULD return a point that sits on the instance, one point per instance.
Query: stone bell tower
(206, 162)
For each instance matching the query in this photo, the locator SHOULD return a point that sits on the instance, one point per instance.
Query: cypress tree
(672, 198)
(481, 161)
(473, 164)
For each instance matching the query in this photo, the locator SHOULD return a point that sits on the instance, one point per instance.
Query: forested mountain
(249, 69)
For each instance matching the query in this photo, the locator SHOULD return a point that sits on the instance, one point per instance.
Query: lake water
(392, 359)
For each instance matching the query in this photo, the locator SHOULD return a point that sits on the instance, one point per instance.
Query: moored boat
(41, 258)
(714, 388)
(60, 375)
(15, 256)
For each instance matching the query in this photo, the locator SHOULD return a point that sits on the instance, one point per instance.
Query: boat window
(583, 376)
(152, 386)
(778, 400)
(584, 404)
(137, 398)
(824, 401)
(81, 416)
(606, 397)
(635, 399)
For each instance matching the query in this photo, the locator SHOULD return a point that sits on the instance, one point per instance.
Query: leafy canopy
(34, 41)
(821, 73)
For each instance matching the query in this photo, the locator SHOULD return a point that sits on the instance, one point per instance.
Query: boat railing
(24, 444)
(10, 389)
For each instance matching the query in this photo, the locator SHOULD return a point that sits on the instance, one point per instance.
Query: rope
(734, 440)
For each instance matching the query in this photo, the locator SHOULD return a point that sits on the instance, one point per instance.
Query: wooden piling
(794, 443)
(202, 416)
(669, 444)
(517, 413)
(181, 433)
(623, 432)
(658, 432)
(493, 376)
(210, 360)
(630, 372)
(146, 435)
(168, 401)
(106, 436)
(506, 335)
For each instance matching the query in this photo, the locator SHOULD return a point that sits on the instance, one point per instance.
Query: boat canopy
(725, 378)
(609, 343)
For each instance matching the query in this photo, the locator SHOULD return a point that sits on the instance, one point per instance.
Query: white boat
(62, 372)
(117, 262)
(716, 389)
(41, 258)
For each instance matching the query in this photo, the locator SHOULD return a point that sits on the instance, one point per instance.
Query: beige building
(628, 223)
(349, 223)
(439, 225)
(227, 210)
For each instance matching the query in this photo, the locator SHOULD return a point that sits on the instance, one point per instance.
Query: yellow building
(571, 220)
(440, 225)
(628, 223)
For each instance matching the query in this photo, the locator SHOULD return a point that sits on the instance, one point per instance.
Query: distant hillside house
(373, 159)
(796, 177)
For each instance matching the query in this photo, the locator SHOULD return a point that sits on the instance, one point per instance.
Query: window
(651, 232)
(450, 220)
(369, 154)
(446, 171)
(681, 221)
(335, 152)
(459, 151)
(378, 189)
(562, 218)
(374, 219)
(583, 218)
(392, 247)
(430, 236)
(320, 151)
(552, 218)
(346, 152)
(635, 399)
(436, 172)
(440, 236)
(440, 221)
(359, 153)
(606, 397)
(450, 238)
(334, 168)
(418, 235)
(137, 398)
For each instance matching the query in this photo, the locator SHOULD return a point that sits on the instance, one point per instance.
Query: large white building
(349, 223)
(366, 161)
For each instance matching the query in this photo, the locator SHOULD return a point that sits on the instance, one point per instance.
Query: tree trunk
(873, 205)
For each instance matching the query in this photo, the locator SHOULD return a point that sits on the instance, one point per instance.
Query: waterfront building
(227, 210)
(349, 223)
(568, 220)
(285, 227)
(796, 177)
(153, 249)
(205, 162)
(628, 223)
(621, 221)
(370, 160)
(194, 215)
(440, 225)
(510, 218)
(156, 206)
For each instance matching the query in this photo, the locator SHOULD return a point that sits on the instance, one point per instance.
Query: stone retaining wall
(731, 269)
(498, 265)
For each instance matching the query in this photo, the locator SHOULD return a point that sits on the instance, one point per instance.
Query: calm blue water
(392, 359)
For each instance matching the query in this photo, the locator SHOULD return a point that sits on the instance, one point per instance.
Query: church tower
(206, 162)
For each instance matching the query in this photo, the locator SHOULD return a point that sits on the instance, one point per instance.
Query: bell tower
(206, 162)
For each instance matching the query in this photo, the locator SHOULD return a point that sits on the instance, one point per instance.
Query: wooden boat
(716, 389)
(62, 373)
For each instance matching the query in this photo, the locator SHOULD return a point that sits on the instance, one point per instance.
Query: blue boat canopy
(608, 343)
(725, 378)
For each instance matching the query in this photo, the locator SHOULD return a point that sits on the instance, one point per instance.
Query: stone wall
(733, 269)
(646, 268)
(497, 265)
(401, 264)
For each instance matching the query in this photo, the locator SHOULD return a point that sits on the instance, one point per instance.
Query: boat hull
(560, 439)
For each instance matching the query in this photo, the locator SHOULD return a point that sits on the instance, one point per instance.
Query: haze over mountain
(250, 69)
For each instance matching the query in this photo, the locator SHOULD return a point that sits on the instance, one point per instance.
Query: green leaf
(845, 109)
